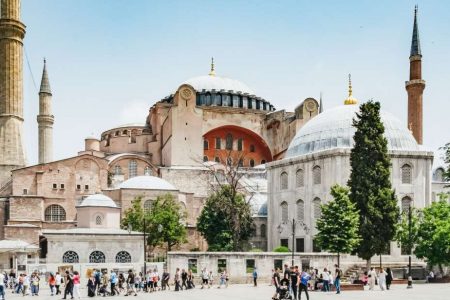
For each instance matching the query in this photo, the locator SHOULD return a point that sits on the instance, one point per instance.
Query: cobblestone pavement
(248, 292)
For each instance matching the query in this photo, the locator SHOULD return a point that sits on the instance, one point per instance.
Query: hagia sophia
(289, 161)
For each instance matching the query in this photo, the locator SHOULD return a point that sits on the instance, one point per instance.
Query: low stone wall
(239, 265)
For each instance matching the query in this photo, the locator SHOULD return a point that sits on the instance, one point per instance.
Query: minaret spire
(415, 85)
(213, 71)
(45, 119)
(320, 104)
(415, 42)
(350, 99)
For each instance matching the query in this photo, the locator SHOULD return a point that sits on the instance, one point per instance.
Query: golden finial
(350, 99)
(212, 72)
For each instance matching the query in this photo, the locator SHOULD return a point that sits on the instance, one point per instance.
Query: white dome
(333, 129)
(218, 83)
(147, 183)
(98, 200)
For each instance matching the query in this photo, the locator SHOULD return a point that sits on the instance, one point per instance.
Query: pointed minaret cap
(415, 42)
(212, 72)
(45, 84)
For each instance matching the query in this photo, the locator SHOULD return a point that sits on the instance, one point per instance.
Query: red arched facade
(237, 143)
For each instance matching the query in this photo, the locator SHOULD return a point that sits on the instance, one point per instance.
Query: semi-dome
(217, 83)
(333, 129)
(147, 183)
(98, 200)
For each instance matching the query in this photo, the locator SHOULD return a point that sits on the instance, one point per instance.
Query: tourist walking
(326, 280)
(165, 280)
(58, 282)
(26, 284)
(372, 278)
(52, 284)
(76, 285)
(97, 281)
(105, 281)
(34, 280)
(114, 280)
(190, 280)
(2, 286)
(68, 282)
(382, 279)
(184, 276)
(204, 278)
(389, 278)
(294, 281)
(177, 279)
(91, 286)
(130, 284)
(276, 282)
(337, 279)
(255, 277)
(304, 278)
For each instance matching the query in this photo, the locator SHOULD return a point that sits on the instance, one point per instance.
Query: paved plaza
(248, 292)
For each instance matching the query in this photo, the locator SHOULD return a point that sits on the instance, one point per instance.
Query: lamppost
(145, 249)
(293, 224)
(410, 247)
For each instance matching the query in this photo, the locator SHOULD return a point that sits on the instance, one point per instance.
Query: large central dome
(217, 83)
(333, 129)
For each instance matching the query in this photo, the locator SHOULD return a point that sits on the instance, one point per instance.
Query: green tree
(163, 222)
(433, 242)
(338, 224)
(226, 220)
(407, 231)
(370, 186)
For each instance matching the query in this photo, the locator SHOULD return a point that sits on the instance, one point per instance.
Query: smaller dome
(98, 200)
(147, 183)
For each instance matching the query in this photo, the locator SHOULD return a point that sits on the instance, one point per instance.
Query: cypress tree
(370, 185)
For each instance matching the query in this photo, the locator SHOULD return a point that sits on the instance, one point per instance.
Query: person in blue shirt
(255, 277)
(113, 280)
(304, 278)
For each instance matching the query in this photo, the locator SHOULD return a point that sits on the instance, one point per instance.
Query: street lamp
(293, 224)
(145, 250)
(410, 247)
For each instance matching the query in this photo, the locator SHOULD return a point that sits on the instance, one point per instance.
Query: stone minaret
(415, 85)
(12, 32)
(45, 119)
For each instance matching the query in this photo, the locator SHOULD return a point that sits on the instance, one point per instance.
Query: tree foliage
(164, 221)
(370, 184)
(338, 225)
(407, 230)
(282, 249)
(446, 158)
(226, 220)
(433, 236)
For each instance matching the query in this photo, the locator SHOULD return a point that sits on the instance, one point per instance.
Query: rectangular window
(55, 186)
(239, 144)
(221, 265)
(25, 191)
(278, 264)
(218, 143)
(192, 265)
(316, 247)
(249, 265)
(78, 187)
(86, 187)
(62, 186)
(300, 245)
(284, 243)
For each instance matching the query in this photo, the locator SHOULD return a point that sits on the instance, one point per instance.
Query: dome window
(205, 158)
(132, 169)
(252, 163)
(229, 142)
(205, 145)
(98, 220)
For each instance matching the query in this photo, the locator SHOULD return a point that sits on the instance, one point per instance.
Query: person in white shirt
(430, 276)
(382, 279)
(372, 277)
(326, 280)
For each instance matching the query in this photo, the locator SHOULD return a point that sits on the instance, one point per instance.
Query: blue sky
(110, 60)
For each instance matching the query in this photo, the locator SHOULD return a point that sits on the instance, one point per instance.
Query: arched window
(439, 175)
(205, 158)
(70, 257)
(125, 132)
(148, 171)
(316, 207)
(97, 257)
(284, 181)
(218, 143)
(317, 176)
(263, 161)
(116, 133)
(217, 159)
(98, 220)
(108, 138)
(252, 163)
(406, 204)
(123, 257)
(263, 230)
(133, 136)
(117, 170)
(205, 145)
(300, 210)
(252, 148)
(284, 212)
(55, 213)
(229, 142)
(300, 178)
(406, 174)
(239, 144)
(132, 168)
(148, 205)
